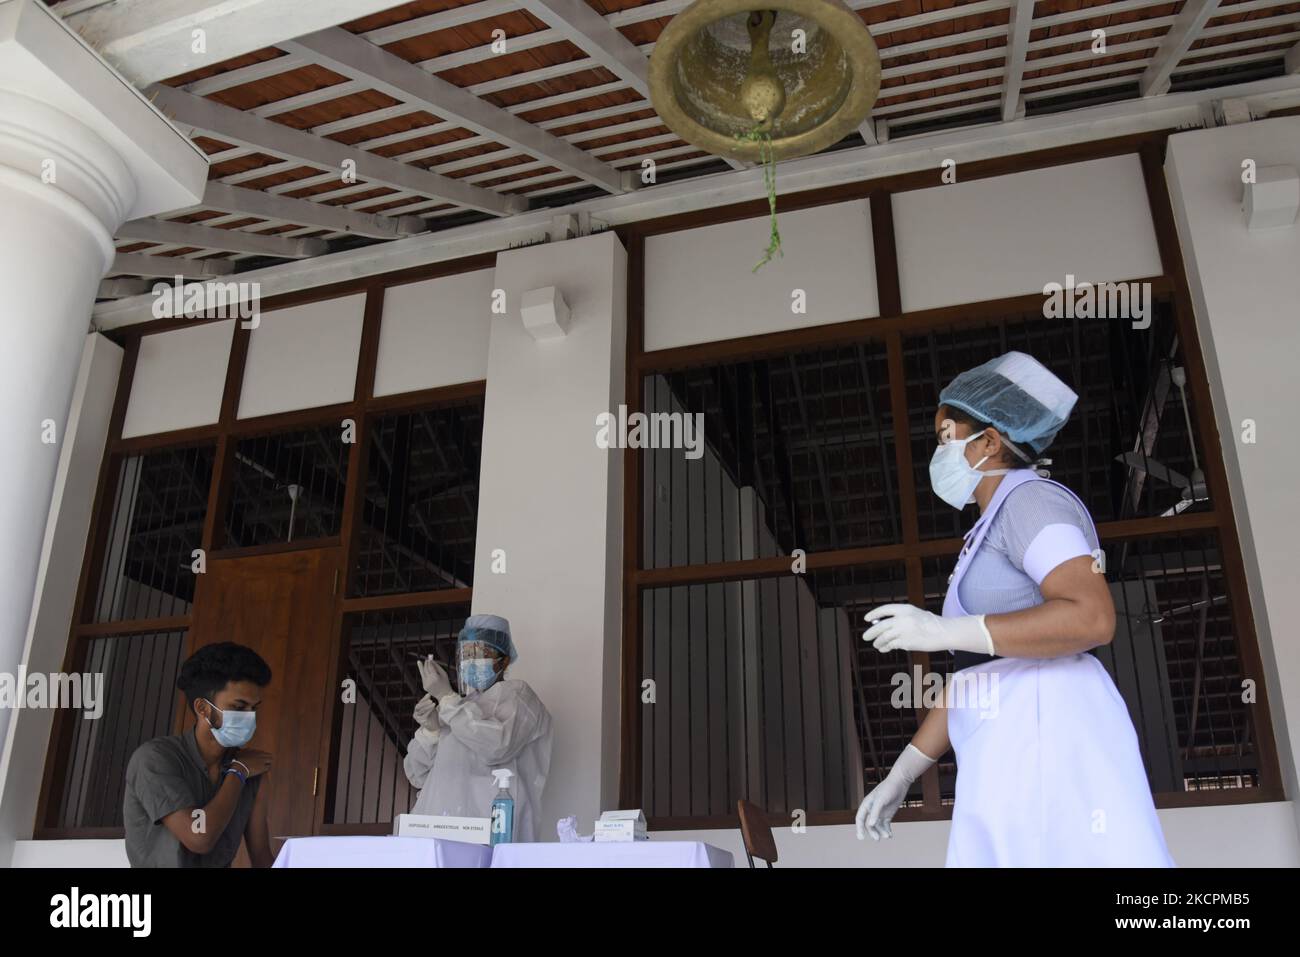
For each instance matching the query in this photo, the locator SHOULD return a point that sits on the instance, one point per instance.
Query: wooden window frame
(363, 408)
(889, 329)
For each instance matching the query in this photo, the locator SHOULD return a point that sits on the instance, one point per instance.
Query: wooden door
(282, 606)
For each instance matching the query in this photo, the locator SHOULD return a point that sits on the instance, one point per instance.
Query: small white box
(623, 825)
(1273, 199)
(468, 830)
(545, 313)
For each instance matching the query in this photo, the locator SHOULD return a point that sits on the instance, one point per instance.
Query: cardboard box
(622, 825)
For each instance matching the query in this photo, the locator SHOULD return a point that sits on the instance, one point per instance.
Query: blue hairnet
(1017, 395)
(492, 630)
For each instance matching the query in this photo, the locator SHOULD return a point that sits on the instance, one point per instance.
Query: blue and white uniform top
(1010, 551)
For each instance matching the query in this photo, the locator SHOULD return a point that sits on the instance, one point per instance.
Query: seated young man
(191, 797)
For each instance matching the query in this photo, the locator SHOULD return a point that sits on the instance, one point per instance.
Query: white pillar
(551, 500)
(80, 152)
(22, 756)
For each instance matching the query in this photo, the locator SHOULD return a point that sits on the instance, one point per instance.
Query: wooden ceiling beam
(226, 240)
(1022, 18)
(150, 40)
(233, 199)
(140, 264)
(1185, 31)
(122, 288)
(236, 126)
(589, 31)
(353, 56)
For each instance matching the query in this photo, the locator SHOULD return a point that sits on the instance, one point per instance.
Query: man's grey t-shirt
(165, 775)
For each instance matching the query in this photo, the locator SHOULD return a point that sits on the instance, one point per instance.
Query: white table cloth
(612, 854)
(383, 851)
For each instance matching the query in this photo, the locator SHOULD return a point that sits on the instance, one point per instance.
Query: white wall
(303, 357)
(700, 284)
(178, 380)
(1245, 835)
(1010, 235)
(434, 333)
(551, 499)
(77, 854)
(59, 568)
(1246, 292)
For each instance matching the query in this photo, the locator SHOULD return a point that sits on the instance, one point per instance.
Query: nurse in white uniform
(493, 722)
(1049, 773)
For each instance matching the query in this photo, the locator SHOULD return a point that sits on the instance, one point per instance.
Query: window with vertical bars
(382, 647)
(137, 677)
(155, 521)
(420, 514)
(1127, 450)
(764, 689)
(797, 444)
(287, 487)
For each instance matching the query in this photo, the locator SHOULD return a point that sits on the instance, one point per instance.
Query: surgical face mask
(477, 674)
(952, 477)
(237, 727)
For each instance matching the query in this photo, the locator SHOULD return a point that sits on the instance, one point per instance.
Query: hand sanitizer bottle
(503, 809)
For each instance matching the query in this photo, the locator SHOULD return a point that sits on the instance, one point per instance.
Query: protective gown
(506, 726)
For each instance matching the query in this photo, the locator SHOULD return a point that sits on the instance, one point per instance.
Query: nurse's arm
(931, 738)
(1077, 614)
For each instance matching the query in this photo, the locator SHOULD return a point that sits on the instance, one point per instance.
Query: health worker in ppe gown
(1049, 773)
(494, 722)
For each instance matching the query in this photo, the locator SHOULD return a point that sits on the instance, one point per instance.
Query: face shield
(478, 666)
(482, 654)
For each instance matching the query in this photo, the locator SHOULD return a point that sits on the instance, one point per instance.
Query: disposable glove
(908, 628)
(426, 713)
(434, 679)
(878, 808)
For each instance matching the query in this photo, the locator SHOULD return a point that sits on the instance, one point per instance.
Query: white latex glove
(434, 679)
(878, 808)
(908, 628)
(426, 713)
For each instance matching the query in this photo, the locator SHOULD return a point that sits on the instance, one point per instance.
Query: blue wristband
(236, 773)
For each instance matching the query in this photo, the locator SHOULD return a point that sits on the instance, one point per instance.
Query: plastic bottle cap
(502, 776)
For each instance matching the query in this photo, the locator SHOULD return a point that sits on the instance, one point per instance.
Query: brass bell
(733, 76)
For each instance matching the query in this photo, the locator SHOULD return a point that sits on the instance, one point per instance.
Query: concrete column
(550, 499)
(22, 758)
(80, 152)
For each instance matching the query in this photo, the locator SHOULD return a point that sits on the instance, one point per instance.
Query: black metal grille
(1175, 660)
(421, 502)
(1128, 407)
(287, 487)
(799, 453)
(139, 675)
(155, 523)
(800, 444)
(370, 785)
(764, 690)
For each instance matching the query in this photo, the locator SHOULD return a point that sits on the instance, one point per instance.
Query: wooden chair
(756, 832)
